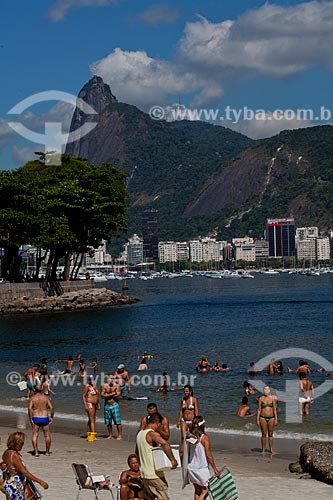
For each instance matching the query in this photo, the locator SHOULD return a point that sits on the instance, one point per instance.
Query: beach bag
(222, 487)
(30, 491)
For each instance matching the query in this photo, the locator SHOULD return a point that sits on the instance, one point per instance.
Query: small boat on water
(269, 271)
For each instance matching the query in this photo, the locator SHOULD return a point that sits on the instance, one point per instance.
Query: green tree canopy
(63, 209)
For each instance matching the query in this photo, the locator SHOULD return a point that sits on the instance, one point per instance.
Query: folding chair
(87, 481)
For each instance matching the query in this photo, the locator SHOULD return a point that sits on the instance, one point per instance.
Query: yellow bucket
(91, 436)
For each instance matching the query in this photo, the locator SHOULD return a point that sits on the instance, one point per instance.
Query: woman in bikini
(188, 410)
(82, 369)
(202, 365)
(267, 418)
(16, 474)
(91, 403)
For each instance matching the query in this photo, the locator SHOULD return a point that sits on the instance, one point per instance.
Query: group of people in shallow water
(194, 442)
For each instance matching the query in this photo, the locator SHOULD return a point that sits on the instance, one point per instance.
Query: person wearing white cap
(122, 378)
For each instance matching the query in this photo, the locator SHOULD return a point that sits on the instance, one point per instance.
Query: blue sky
(205, 54)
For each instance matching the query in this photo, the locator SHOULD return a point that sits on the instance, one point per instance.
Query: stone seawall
(75, 296)
(14, 291)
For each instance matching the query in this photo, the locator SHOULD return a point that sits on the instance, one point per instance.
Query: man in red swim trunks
(41, 414)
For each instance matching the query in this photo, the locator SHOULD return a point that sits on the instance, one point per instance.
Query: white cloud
(23, 155)
(273, 40)
(159, 14)
(138, 79)
(61, 112)
(266, 125)
(61, 8)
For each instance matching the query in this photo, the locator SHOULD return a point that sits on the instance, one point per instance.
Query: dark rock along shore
(69, 301)
(316, 458)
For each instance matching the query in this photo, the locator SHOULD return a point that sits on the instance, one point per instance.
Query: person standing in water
(41, 413)
(91, 403)
(188, 410)
(267, 419)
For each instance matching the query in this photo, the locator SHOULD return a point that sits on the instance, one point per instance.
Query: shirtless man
(131, 484)
(271, 368)
(306, 394)
(69, 363)
(244, 410)
(122, 378)
(41, 413)
(110, 392)
(30, 377)
(303, 367)
(164, 429)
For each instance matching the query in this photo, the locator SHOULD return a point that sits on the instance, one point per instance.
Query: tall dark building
(149, 235)
(280, 235)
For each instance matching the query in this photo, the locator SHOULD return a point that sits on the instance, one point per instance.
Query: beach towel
(222, 487)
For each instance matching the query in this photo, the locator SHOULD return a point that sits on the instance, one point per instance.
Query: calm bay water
(231, 321)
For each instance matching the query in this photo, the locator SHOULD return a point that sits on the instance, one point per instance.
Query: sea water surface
(232, 321)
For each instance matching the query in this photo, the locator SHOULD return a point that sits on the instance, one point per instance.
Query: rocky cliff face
(99, 96)
(290, 174)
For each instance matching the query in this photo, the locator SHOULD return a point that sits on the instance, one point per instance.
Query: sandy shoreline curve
(256, 477)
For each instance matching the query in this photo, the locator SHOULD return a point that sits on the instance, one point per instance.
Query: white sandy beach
(256, 477)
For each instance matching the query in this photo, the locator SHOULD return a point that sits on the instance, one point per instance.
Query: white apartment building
(303, 233)
(134, 250)
(323, 248)
(167, 251)
(196, 251)
(210, 250)
(183, 251)
(261, 249)
(96, 256)
(306, 249)
(244, 249)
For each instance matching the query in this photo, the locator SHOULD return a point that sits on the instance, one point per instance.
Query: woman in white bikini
(91, 403)
(188, 410)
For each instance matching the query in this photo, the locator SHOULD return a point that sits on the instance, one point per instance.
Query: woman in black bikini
(188, 410)
(267, 418)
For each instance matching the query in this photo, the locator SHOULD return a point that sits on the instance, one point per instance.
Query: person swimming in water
(202, 365)
(143, 365)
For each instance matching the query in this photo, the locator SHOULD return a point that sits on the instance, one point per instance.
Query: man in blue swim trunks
(110, 392)
(41, 413)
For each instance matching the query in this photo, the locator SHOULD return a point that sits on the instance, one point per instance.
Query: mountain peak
(97, 94)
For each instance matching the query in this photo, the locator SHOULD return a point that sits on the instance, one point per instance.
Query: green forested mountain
(204, 178)
(290, 174)
(167, 163)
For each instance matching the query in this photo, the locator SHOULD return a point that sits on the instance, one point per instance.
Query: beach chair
(88, 481)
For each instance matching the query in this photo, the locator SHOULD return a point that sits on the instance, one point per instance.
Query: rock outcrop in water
(69, 301)
(316, 458)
